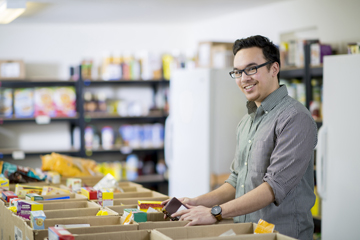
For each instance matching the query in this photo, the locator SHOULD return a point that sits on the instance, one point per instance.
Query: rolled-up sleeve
(232, 178)
(296, 139)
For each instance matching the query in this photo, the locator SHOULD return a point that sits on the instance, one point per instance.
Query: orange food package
(264, 227)
(128, 218)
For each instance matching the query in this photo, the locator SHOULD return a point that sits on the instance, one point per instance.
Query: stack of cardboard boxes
(86, 223)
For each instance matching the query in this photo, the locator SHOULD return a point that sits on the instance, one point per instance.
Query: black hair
(269, 49)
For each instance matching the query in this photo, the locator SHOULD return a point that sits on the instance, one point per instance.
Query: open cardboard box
(90, 211)
(212, 232)
(207, 231)
(146, 196)
(73, 197)
(97, 224)
(124, 235)
(50, 205)
(36, 184)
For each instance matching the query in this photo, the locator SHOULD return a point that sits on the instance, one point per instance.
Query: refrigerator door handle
(168, 141)
(321, 161)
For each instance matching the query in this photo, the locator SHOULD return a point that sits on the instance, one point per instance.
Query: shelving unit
(307, 73)
(83, 118)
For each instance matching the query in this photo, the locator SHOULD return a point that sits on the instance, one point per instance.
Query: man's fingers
(165, 202)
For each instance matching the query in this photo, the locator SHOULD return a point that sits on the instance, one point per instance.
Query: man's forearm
(252, 201)
(221, 195)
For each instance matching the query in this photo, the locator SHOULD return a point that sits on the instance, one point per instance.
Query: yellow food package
(128, 218)
(69, 166)
(264, 227)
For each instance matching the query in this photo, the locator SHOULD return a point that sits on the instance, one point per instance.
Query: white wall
(336, 22)
(57, 46)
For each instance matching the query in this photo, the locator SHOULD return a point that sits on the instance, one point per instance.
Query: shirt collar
(270, 101)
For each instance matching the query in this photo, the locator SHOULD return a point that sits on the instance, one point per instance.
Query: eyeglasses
(248, 71)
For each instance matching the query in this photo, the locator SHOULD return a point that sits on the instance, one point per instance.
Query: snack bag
(264, 227)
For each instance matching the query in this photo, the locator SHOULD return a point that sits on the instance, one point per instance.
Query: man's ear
(275, 69)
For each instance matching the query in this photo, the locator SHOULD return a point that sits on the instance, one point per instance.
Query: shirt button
(245, 163)
(242, 186)
(249, 141)
(266, 112)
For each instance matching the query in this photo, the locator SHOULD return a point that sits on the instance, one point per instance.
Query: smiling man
(272, 171)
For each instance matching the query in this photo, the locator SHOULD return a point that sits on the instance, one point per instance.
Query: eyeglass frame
(256, 67)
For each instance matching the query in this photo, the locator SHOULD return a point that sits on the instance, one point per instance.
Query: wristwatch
(216, 212)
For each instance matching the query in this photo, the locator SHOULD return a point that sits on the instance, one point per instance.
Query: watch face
(216, 210)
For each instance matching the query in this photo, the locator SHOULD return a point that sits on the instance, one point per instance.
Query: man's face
(258, 86)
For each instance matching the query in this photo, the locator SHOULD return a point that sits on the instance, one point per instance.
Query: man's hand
(199, 215)
(185, 200)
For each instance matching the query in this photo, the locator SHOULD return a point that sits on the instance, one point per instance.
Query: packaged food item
(264, 227)
(58, 233)
(105, 197)
(24, 102)
(74, 184)
(47, 190)
(53, 177)
(173, 206)
(132, 164)
(129, 218)
(13, 209)
(22, 190)
(33, 197)
(139, 216)
(6, 102)
(7, 195)
(13, 202)
(106, 182)
(18, 174)
(24, 208)
(89, 192)
(69, 166)
(144, 205)
(44, 103)
(102, 212)
(107, 137)
(4, 182)
(157, 135)
(37, 219)
(65, 101)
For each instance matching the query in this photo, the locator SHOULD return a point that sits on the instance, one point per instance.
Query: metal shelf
(299, 73)
(123, 150)
(25, 83)
(88, 83)
(53, 119)
(103, 116)
(8, 152)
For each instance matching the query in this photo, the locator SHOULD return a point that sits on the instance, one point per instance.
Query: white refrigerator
(338, 155)
(200, 133)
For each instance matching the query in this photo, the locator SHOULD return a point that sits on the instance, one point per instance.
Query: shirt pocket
(260, 156)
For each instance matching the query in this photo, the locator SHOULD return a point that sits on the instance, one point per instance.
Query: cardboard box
(12, 186)
(12, 69)
(70, 197)
(21, 190)
(91, 211)
(124, 235)
(215, 54)
(68, 204)
(99, 222)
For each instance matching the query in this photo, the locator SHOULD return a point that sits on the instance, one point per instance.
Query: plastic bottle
(132, 163)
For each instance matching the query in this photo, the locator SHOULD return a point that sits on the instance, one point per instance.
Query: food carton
(44, 104)
(139, 216)
(33, 197)
(25, 207)
(144, 205)
(65, 101)
(89, 192)
(59, 234)
(4, 183)
(53, 191)
(74, 184)
(105, 197)
(37, 219)
(7, 195)
(24, 102)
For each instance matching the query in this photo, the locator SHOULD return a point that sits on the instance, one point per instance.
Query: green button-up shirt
(275, 144)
